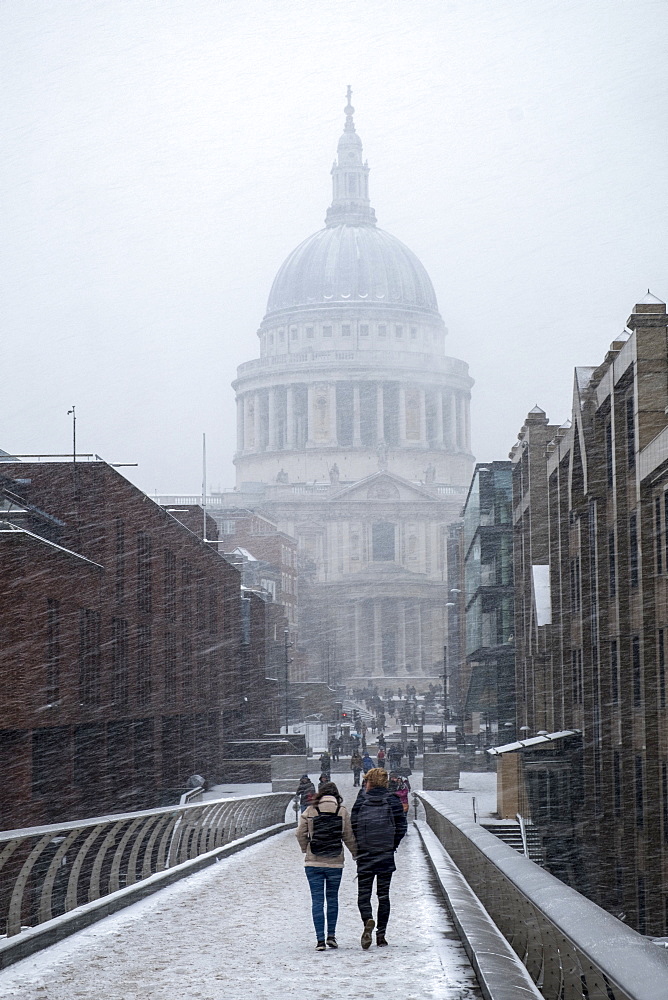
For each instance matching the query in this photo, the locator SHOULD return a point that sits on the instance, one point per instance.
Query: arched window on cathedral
(382, 541)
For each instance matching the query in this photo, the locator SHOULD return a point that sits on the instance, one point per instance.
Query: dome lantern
(350, 179)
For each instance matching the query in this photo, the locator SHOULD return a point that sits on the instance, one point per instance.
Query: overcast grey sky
(161, 159)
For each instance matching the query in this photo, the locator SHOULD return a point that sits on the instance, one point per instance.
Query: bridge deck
(243, 928)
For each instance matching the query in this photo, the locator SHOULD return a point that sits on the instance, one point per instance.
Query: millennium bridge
(208, 899)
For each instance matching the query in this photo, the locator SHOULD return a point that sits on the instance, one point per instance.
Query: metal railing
(49, 870)
(571, 947)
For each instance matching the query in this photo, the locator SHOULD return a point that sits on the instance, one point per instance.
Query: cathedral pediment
(383, 486)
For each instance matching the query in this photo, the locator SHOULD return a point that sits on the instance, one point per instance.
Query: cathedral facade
(353, 435)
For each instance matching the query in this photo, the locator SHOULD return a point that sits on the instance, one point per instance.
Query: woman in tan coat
(323, 829)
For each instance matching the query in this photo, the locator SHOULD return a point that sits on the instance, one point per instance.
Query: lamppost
(445, 696)
(287, 644)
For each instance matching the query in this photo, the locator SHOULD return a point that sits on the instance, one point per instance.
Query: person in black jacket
(379, 825)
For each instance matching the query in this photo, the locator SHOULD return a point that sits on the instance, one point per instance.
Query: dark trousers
(364, 890)
(356, 775)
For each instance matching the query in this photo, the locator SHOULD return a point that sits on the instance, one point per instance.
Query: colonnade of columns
(388, 637)
(352, 414)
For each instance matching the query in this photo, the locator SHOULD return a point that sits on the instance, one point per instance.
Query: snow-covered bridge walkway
(242, 929)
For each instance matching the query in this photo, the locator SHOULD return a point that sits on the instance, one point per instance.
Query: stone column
(333, 423)
(377, 640)
(290, 417)
(258, 429)
(402, 640)
(240, 423)
(310, 419)
(380, 414)
(418, 636)
(453, 419)
(402, 416)
(461, 429)
(272, 421)
(467, 422)
(249, 423)
(357, 416)
(439, 418)
(423, 417)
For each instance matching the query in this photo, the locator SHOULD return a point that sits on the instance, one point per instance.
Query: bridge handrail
(571, 947)
(48, 870)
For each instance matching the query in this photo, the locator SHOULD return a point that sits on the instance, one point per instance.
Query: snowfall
(242, 929)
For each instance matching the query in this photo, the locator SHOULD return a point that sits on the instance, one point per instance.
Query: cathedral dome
(357, 264)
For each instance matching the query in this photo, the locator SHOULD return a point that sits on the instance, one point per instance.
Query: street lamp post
(445, 696)
(287, 644)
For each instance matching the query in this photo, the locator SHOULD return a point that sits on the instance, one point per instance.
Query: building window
(617, 783)
(186, 665)
(640, 793)
(89, 657)
(119, 662)
(271, 340)
(630, 432)
(186, 594)
(213, 610)
(293, 333)
(664, 799)
(170, 585)
(612, 565)
(661, 654)
(413, 333)
(637, 679)
(310, 332)
(382, 330)
(609, 462)
(144, 572)
(170, 668)
(633, 549)
(52, 651)
(614, 673)
(398, 332)
(658, 549)
(382, 536)
(575, 584)
(327, 331)
(578, 679)
(345, 330)
(281, 335)
(143, 665)
(364, 330)
(120, 560)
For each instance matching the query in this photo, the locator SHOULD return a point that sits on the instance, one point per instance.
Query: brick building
(591, 569)
(124, 665)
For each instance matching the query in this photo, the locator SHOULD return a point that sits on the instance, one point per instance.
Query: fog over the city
(161, 160)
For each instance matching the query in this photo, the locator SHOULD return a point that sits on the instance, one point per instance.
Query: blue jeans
(324, 881)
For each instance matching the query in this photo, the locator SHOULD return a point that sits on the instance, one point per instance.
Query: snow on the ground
(243, 929)
(480, 785)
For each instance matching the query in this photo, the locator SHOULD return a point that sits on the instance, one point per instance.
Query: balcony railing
(571, 947)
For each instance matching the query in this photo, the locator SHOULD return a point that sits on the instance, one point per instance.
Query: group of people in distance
(371, 832)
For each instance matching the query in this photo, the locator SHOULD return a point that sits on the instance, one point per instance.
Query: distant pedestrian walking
(379, 825)
(323, 829)
(305, 791)
(381, 758)
(367, 763)
(412, 753)
(356, 766)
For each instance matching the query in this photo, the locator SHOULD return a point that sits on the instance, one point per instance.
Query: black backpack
(375, 825)
(326, 832)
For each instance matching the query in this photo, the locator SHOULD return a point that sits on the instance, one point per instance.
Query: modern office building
(591, 620)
